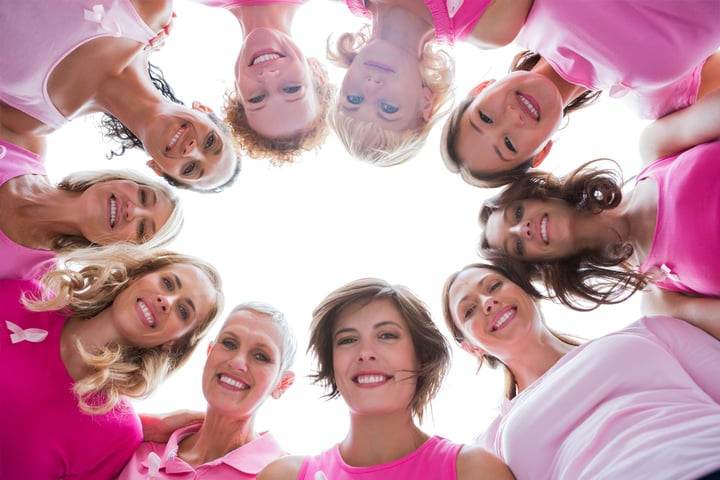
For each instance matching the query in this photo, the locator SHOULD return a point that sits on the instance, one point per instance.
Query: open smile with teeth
(146, 311)
(176, 137)
(233, 383)
(266, 57)
(543, 229)
(368, 379)
(504, 318)
(529, 107)
(113, 211)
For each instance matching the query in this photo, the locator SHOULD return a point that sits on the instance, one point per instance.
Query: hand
(158, 40)
(158, 428)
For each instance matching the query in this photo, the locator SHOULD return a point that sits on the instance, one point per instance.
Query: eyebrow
(479, 130)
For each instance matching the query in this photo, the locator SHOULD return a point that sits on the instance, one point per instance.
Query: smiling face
(121, 210)
(187, 145)
(243, 365)
(374, 359)
(508, 123)
(533, 229)
(162, 306)
(383, 85)
(274, 82)
(491, 312)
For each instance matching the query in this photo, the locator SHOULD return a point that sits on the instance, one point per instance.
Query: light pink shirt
(160, 460)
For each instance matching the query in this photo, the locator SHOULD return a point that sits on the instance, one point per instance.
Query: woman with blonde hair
(76, 346)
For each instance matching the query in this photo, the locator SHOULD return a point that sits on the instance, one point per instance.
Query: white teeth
(233, 383)
(362, 379)
(265, 58)
(175, 137)
(113, 211)
(506, 316)
(543, 229)
(529, 106)
(146, 312)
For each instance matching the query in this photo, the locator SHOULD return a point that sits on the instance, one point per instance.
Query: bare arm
(703, 312)
(158, 428)
(476, 463)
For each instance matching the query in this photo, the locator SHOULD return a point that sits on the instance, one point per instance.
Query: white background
(290, 235)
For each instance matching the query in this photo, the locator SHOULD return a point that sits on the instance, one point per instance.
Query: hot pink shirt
(160, 460)
(246, 3)
(686, 244)
(623, 45)
(44, 433)
(435, 459)
(19, 261)
(638, 403)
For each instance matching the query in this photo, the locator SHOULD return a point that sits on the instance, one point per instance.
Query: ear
(210, 347)
(287, 380)
(428, 103)
(473, 350)
(542, 154)
(480, 87)
(155, 167)
(199, 106)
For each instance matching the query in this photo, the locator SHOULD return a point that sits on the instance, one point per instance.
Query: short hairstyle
(506, 270)
(365, 140)
(81, 181)
(289, 341)
(89, 288)
(590, 278)
(282, 150)
(431, 347)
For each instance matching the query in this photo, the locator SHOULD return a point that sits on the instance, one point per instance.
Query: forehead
(476, 145)
(467, 279)
(496, 227)
(254, 327)
(370, 314)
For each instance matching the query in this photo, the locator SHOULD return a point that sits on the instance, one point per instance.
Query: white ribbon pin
(99, 16)
(33, 335)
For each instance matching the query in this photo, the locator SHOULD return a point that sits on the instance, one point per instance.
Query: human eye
(143, 197)
(141, 231)
(355, 99)
(388, 336)
(518, 213)
(261, 357)
(210, 141)
(257, 98)
(345, 341)
(168, 284)
(189, 169)
(229, 344)
(494, 286)
(387, 108)
(469, 311)
(292, 89)
(510, 145)
(519, 248)
(484, 117)
(183, 311)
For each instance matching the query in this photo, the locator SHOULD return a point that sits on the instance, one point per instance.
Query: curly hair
(81, 181)
(506, 270)
(85, 291)
(523, 61)
(431, 348)
(282, 150)
(587, 279)
(367, 141)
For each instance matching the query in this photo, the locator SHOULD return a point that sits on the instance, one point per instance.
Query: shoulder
(282, 469)
(474, 462)
(155, 13)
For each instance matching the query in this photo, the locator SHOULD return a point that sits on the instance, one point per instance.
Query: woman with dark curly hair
(93, 57)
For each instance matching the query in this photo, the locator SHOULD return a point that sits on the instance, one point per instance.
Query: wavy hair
(365, 140)
(89, 288)
(431, 348)
(587, 279)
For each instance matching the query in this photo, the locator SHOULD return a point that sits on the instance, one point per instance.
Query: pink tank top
(39, 42)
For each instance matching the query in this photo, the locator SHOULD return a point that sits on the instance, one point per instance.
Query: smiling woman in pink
(86, 340)
(249, 361)
(377, 347)
(642, 402)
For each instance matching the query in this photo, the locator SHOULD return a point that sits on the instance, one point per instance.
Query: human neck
(402, 27)
(378, 439)
(92, 333)
(218, 436)
(278, 16)
(568, 91)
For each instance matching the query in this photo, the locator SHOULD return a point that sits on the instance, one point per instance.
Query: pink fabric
(65, 25)
(447, 29)
(243, 463)
(45, 435)
(246, 3)
(638, 403)
(686, 243)
(19, 261)
(436, 459)
(623, 45)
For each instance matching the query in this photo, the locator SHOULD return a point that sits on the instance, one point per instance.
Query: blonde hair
(365, 140)
(80, 181)
(84, 291)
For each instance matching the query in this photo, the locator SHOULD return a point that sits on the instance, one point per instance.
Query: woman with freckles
(247, 363)
(377, 347)
(75, 347)
(642, 402)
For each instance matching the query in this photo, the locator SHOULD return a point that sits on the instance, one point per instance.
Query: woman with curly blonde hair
(76, 345)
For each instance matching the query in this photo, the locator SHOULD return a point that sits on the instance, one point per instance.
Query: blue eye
(229, 344)
(519, 247)
(387, 108)
(256, 99)
(168, 284)
(262, 357)
(355, 99)
(291, 89)
(518, 214)
(183, 312)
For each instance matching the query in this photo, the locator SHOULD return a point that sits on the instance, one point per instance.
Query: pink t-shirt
(623, 45)
(435, 459)
(44, 433)
(160, 461)
(686, 244)
(246, 3)
(638, 403)
(448, 28)
(19, 261)
(65, 25)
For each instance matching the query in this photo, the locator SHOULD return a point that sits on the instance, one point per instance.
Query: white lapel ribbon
(99, 16)
(33, 335)
(153, 465)
(453, 6)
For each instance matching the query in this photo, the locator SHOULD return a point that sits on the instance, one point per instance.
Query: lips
(542, 227)
(380, 67)
(176, 138)
(371, 379)
(502, 318)
(264, 56)
(112, 210)
(232, 382)
(529, 105)
(146, 314)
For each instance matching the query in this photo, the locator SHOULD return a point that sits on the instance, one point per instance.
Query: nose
(366, 354)
(190, 147)
(373, 83)
(522, 229)
(239, 363)
(514, 115)
(133, 210)
(268, 72)
(163, 303)
(489, 305)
